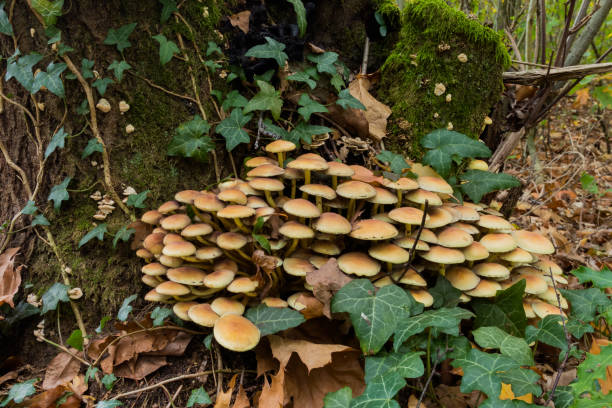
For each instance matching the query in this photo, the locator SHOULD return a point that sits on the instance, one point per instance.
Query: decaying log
(536, 76)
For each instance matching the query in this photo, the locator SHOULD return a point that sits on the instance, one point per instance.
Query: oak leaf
(62, 369)
(241, 20)
(10, 277)
(376, 112)
(325, 282)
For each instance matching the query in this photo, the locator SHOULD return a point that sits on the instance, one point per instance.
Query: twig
(366, 52)
(171, 402)
(431, 374)
(64, 349)
(220, 369)
(161, 88)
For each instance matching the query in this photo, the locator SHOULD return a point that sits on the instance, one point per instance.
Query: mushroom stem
(399, 199)
(375, 209)
(204, 293)
(280, 159)
(241, 226)
(350, 209)
(293, 188)
(291, 248)
(334, 182)
(202, 240)
(234, 258)
(408, 229)
(185, 298)
(191, 259)
(269, 199)
(242, 254)
(319, 203)
(442, 269)
(389, 267)
(307, 177)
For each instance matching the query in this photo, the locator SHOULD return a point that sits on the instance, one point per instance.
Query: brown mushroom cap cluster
(203, 256)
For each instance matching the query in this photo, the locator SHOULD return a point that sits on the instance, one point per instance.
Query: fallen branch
(536, 76)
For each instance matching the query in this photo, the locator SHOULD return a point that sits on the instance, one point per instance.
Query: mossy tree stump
(428, 53)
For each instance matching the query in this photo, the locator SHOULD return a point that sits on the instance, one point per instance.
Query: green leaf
(263, 242)
(40, 220)
(22, 311)
(266, 76)
(118, 67)
(601, 279)
(338, 399)
(137, 200)
(444, 294)
(446, 144)
(374, 313)
(191, 140)
(58, 140)
(309, 106)
(20, 391)
(54, 34)
(59, 193)
(497, 403)
(109, 404)
(103, 322)
(90, 374)
(169, 7)
(101, 84)
(208, 341)
(516, 348)
(212, 65)
(231, 128)
(593, 367)
(51, 79)
(380, 391)
(126, 307)
(83, 108)
(76, 340)
(159, 314)
(597, 400)
(396, 162)
(92, 146)
(563, 397)
(5, 24)
(337, 82)
(405, 365)
(167, 48)
(123, 234)
(523, 381)
(303, 77)
(603, 95)
(480, 371)
(213, 47)
(586, 302)
(304, 132)
(234, 100)
(21, 69)
(348, 101)
(549, 331)
(325, 62)
(267, 98)
(109, 380)
(63, 49)
(578, 328)
(505, 311)
(300, 13)
(445, 319)
(58, 292)
(48, 10)
(271, 320)
(119, 37)
(272, 49)
(198, 396)
(481, 182)
(589, 184)
(87, 68)
(97, 232)
(30, 208)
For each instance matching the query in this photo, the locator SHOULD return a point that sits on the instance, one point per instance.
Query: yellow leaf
(507, 394)
(606, 385)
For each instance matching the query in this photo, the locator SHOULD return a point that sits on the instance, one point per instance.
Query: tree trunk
(586, 34)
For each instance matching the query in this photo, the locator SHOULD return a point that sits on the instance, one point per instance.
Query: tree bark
(585, 36)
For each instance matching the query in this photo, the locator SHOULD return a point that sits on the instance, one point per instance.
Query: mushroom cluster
(212, 253)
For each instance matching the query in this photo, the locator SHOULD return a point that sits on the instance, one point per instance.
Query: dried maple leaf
(582, 98)
(376, 112)
(10, 277)
(325, 282)
(242, 400)
(62, 369)
(273, 395)
(241, 20)
(314, 307)
(224, 397)
(606, 385)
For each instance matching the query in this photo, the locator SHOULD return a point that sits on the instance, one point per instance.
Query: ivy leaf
(268, 98)
(109, 404)
(76, 340)
(593, 368)
(303, 77)
(505, 311)
(549, 331)
(49, 10)
(589, 184)
(480, 371)
(586, 302)
(20, 391)
(516, 348)
(338, 399)
(58, 292)
(304, 132)
(5, 24)
(159, 314)
(167, 48)
(103, 322)
(198, 396)
(444, 294)
(101, 84)
(83, 108)
(119, 37)
(208, 341)
(601, 279)
(118, 67)
(445, 144)
(137, 200)
(325, 62)
(231, 128)
(348, 101)
(523, 381)
(51, 79)
(97, 232)
(109, 380)
(21, 69)
(234, 100)
(375, 314)
(271, 320)
(300, 13)
(380, 391)
(213, 47)
(337, 82)
(87, 68)
(578, 328)
(58, 140)
(90, 374)
(212, 65)
(40, 220)
(263, 242)
(63, 49)
(191, 140)
(282, 133)
(126, 308)
(30, 208)
(481, 182)
(54, 34)
(405, 365)
(123, 234)
(59, 193)
(445, 319)
(272, 49)
(309, 106)
(396, 162)
(266, 76)
(168, 7)
(92, 146)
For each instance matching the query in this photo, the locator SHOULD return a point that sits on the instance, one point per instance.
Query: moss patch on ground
(433, 36)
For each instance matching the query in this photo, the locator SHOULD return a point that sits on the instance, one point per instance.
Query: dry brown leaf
(582, 98)
(265, 360)
(241, 20)
(313, 309)
(242, 400)
(141, 230)
(413, 401)
(312, 355)
(11, 375)
(524, 92)
(315, 49)
(10, 277)
(451, 397)
(376, 112)
(62, 369)
(46, 399)
(261, 260)
(273, 396)
(224, 397)
(326, 281)
(78, 385)
(139, 368)
(353, 120)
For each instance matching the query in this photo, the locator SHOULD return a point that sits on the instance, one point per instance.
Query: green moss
(433, 35)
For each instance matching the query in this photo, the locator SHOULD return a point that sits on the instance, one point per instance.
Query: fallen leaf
(78, 385)
(62, 369)
(313, 309)
(507, 394)
(376, 112)
(315, 49)
(524, 92)
(353, 120)
(10, 277)
(451, 397)
(273, 396)
(139, 368)
(141, 230)
(241, 20)
(606, 385)
(47, 398)
(265, 360)
(582, 98)
(11, 375)
(325, 282)
(242, 400)
(413, 401)
(224, 397)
